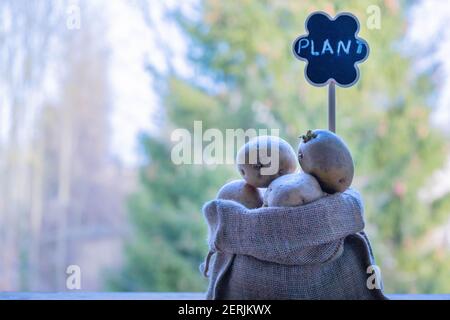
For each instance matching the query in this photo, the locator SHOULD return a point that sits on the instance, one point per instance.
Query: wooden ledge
(77, 295)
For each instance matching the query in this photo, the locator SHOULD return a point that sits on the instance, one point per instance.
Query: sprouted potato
(324, 155)
(292, 190)
(265, 158)
(241, 192)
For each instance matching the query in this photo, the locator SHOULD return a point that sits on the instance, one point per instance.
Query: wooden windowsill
(77, 295)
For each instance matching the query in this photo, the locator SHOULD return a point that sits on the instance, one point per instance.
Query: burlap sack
(316, 251)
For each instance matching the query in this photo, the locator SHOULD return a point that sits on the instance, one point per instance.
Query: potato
(292, 190)
(325, 156)
(241, 192)
(259, 163)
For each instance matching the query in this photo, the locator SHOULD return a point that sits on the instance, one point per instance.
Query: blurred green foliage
(243, 49)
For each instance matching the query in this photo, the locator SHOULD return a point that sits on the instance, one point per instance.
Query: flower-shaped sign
(331, 49)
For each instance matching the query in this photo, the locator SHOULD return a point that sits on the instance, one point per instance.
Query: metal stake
(332, 106)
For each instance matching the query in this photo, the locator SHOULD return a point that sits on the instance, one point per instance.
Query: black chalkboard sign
(331, 49)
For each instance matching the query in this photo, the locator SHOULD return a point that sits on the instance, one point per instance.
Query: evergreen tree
(244, 49)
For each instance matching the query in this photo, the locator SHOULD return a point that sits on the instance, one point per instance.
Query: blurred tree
(244, 51)
(82, 202)
(28, 32)
(59, 200)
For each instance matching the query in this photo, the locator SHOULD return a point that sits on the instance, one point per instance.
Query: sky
(134, 43)
(133, 101)
(429, 36)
